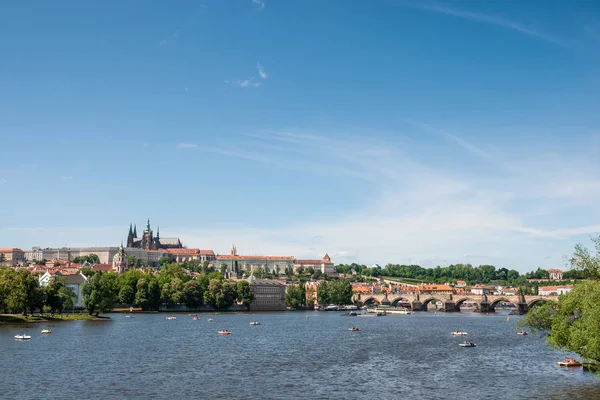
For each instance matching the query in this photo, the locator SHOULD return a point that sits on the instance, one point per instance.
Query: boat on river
(129, 316)
(354, 329)
(467, 344)
(522, 333)
(225, 332)
(211, 320)
(569, 362)
(196, 318)
(459, 333)
(22, 337)
(171, 318)
(254, 323)
(46, 331)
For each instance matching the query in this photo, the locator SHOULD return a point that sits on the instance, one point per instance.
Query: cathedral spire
(157, 232)
(135, 231)
(148, 226)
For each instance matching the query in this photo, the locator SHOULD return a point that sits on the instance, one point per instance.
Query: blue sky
(377, 131)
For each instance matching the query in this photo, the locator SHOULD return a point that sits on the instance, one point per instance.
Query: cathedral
(150, 242)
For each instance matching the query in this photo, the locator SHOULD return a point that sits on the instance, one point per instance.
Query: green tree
(572, 323)
(193, 296)
(244, 295)
(99, 292)
(214, 295)
(229, 293)
(172, 292)
(295, 296)
(323, 293)
(223, 268)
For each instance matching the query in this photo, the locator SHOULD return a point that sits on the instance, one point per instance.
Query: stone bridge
(451, 302)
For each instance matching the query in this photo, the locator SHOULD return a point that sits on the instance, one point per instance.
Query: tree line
(572, 323)
(172, 284)
(482, 274)
(20, 292)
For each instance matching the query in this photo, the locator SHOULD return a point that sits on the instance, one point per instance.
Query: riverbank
(15, 318)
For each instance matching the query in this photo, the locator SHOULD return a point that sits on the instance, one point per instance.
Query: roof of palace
(230, 257)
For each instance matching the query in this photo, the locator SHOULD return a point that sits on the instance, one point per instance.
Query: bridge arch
(504, 299)
(371, 300)
(530, 303)
(399, 299)
(429, 300)
(460, 301)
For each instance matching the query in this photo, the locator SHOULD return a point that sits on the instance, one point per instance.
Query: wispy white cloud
(259, 3)
(417, 211)
(187, 146)
(246, 83)
(261, 71)
(169, 38)
(492, 20)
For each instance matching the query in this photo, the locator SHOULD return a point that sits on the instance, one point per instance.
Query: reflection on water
(286, 357)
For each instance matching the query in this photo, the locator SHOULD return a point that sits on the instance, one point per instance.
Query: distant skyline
(385, 131)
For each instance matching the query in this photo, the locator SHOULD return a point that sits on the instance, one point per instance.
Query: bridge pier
(418, 306)
(449, 306)
(522, 308)
(486, 307)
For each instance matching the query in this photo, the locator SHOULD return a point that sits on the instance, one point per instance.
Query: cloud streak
(261, 71)
(259, 3)
(491, 20)
(416, 210)
(246, 83)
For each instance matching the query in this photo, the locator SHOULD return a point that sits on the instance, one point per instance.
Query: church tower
(233, 250)
(119, 264)
(147, 238)
(130, 237)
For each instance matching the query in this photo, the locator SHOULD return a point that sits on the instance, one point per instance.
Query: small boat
(196, 318)
(569, 362)
(22, 337)
(129, 316)
(254, 323)
(459, 333)
(354, 329)
(225, 332)
(171, 318)
(46, 331)
(522, 333)
(211, 320)
(467, 344)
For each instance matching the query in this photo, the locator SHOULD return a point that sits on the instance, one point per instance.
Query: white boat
(459, 333)
(332, 307)
(467, 344)
(22, 337)
(254, 323)
(522, 333)
(129, 316)
(211, 320)
(171, 318)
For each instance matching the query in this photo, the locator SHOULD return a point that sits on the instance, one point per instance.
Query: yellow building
(11, 257)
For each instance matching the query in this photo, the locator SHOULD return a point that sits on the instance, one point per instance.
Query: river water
(286, 357)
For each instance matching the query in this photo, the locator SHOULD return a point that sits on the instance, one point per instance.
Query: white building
(554, 290)
(325, 265)
(239, 264)
(74, 282)
(35, 254)
(555, 274)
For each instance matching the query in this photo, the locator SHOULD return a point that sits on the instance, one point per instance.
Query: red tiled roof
(11, 250)
(207, 252)
(554, 270)
(102, 267)
(434, 287)
(228, 257)
(183, 251)
(312, 262)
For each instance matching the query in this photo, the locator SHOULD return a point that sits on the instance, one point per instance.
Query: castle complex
(150, 242)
